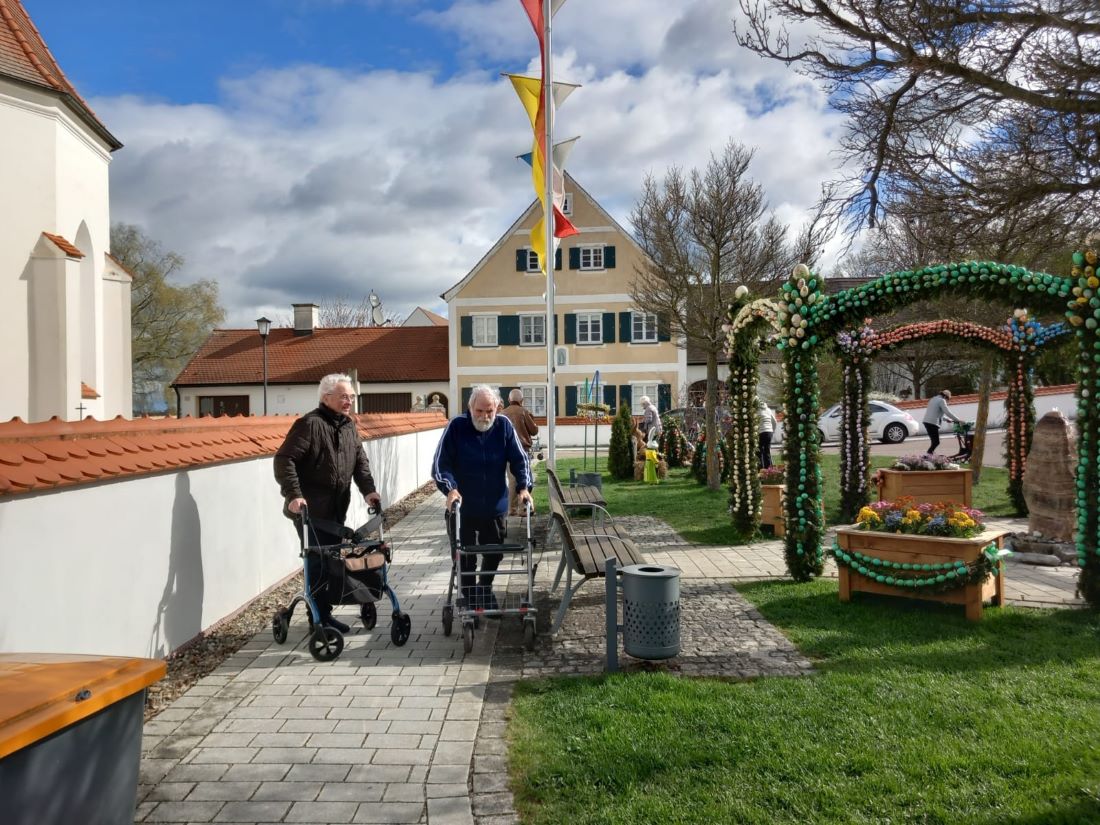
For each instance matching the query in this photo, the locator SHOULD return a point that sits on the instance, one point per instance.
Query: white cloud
(309, 182)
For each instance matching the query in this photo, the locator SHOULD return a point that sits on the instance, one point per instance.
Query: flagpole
(551, 257)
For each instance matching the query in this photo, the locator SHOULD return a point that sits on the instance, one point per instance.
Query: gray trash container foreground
(651, 611)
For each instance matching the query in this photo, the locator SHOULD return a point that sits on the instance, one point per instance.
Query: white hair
(645, 401)
(482, 389)
(329, 382)
(515, 396)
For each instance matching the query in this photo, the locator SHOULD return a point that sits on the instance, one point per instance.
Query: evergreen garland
(699, 460)
(673, 444)
(929, 578)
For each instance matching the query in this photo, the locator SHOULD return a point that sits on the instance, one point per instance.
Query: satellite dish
(376, 315)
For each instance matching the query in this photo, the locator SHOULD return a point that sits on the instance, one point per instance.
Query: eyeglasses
(342, 397)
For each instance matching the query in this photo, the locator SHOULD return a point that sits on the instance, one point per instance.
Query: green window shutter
(570, 400)
(626, 393)
(557, 259)
(521, 260)
(662, 328)
(664, 398)
(556, 404)
(609, 257)
(609, 396)
(466, 331)
(626, 327)
(570, 330)
(508, 330)
(504, 394)
(555, 329)
(575, 257)
(465, 399)
(609, 328)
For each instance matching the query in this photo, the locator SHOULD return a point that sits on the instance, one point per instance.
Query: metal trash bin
(651, 611)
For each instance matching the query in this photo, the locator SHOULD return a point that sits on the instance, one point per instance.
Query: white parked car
(888, 423)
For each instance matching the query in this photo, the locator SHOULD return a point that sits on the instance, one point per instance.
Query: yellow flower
(867, 516)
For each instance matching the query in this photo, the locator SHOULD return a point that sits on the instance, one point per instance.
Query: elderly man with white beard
(475, 451)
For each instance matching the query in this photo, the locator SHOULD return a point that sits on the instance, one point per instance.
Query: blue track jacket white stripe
(475, 463)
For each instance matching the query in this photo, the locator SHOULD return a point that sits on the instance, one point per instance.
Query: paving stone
(267, 772)
(288, 791)
(322, 812)
(450, 811)
(184, 812)
(253, 812)
(225, 791)
(380, 773)
(352, 792)
(389, 812)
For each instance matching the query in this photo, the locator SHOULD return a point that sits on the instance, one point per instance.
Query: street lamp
(263, 325)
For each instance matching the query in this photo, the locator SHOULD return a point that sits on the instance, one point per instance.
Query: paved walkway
(415, 734)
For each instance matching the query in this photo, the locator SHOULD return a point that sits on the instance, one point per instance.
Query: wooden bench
(580, 495)
(585, 545)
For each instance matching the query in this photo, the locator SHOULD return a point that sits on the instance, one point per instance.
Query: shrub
(674, 444)
(699, 460)
(620, 453)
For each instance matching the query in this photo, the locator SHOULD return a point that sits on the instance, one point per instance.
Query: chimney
(305, 318)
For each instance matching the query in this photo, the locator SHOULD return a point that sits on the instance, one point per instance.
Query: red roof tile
(60, 242)
(379, 354)
(87, 392)
(56, 453)
(24, 56)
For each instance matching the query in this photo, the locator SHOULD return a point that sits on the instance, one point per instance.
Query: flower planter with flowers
(938, 552)
(773, 491)
(926, 478)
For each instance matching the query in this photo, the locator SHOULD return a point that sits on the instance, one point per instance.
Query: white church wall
(295, 399)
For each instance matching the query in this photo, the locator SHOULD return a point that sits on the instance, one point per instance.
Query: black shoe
(489, 600)
(335, 624)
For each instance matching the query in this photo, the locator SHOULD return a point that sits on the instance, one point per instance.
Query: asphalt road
(994, 447)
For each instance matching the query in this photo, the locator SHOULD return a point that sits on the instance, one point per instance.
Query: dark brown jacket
(321, 456)
(523, 423)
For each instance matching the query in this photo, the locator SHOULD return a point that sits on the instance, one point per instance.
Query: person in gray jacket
(320, 458)
(934, 415)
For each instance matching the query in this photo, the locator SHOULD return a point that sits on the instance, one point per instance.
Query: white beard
(482, 426)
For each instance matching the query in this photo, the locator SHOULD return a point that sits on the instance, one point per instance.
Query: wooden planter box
(930, 486)
(771, 507)
(922, 550)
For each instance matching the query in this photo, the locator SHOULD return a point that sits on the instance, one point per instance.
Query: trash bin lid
(41, 693)
(651, 571)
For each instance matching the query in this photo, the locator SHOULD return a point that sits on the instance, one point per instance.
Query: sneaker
(335, 624)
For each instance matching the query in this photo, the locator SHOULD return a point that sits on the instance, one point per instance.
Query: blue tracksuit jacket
(475, 464)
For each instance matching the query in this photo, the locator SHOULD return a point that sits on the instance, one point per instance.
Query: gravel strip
(202, 655)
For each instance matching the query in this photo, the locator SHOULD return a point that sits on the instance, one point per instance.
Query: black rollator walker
(964, 434)
(518, 560)
(356, 572)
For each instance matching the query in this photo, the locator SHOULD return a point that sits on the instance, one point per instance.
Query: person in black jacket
(320, 458)
(473, 455)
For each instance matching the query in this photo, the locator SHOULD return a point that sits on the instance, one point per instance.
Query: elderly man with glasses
(320, 458)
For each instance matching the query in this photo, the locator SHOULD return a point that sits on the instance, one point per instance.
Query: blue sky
(298, 150)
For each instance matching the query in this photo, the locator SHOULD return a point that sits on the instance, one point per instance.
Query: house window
(637, 391)
(644, 328)
(532, 330)
(219, 405)
(591, 257)
(485, 330)
(534, 398)
(589, 328)
(567, 204)
(533, 261)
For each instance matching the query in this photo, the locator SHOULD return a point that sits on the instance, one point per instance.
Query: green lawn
(915, 716)
(701, 515)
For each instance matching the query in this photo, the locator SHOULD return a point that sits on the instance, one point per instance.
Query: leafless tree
(988, 113)
(706, 232)
(343, 311)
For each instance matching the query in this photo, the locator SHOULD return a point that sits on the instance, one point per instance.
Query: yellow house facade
(497, 314)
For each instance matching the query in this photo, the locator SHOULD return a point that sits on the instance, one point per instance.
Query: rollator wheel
(467, 637)
(369, 614)
(401, 629)
(528, 634)
(448, 619)
(280, 625)
(326, 644)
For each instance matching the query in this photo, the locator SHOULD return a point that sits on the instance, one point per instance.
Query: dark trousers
(765, 450)
(933, 436)
(475, 531)
(315, 569)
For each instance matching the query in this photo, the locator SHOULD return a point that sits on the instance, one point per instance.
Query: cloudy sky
(297, 150)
